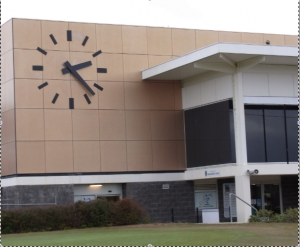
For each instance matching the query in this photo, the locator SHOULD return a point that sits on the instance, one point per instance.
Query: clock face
(74, 70)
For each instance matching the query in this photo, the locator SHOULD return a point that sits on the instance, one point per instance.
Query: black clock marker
(85, 40)
(53, 39)
(97, 53)
(71, 103)
(69, 35)
(42, 51)
(99, 87)
(101, 70)
(77, 67)
(55, 98)
(43, 85)
(87, 98)
(37, 67)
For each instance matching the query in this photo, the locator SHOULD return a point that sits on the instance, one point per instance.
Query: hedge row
(290, 215)
(95, 213)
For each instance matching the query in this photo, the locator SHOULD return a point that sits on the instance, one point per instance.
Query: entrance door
(272, 197)
(265, 196)
(256, 200)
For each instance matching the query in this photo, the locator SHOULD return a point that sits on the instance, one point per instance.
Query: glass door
(272, 197)
(256, 200)
(265, 196)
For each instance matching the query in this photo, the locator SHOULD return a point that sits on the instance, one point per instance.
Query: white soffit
(183, 67)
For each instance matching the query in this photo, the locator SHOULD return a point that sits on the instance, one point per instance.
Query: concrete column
(239, 119)
(242, 189)
(242, 182)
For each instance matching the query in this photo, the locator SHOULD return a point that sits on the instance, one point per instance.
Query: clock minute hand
(77, 67)
(74, 72)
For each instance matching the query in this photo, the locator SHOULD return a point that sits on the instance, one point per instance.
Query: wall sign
(229, 188)
(165, 186)
(86, 198)
(212, 173)
(206, 199)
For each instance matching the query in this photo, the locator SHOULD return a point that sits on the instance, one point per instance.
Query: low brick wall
(35, 194)
(159, 202)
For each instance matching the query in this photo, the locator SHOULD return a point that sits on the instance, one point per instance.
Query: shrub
(290, 215)
(95, 213)
(127, 212)
(261, 216)
(277, 218)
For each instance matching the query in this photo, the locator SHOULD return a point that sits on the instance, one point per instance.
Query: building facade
(175, 118)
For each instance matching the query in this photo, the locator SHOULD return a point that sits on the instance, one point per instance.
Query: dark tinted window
(292, 134)
(275, 135)
(209, 135)
(255, 135)
(272, 133)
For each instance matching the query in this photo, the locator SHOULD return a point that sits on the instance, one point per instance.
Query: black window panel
(291, 113)
(189, 125)
(292, 134)
(255, 135)
(190, 153)
(232, 137)
(275, 135)
(206, 153)
(209, 135)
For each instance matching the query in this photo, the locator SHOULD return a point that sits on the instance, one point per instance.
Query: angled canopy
(222, 57)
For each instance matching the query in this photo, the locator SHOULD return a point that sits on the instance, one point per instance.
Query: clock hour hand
(74, 72)
(77, 67)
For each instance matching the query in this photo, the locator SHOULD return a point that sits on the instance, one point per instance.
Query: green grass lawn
(255, 234)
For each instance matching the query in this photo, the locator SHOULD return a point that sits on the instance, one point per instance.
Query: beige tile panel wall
(116, 95)
(31, 157)
(291, 40)
(93, 156)
(6, 37)
(8, 159)
(132, 125)
(110, 125)
(7, 70)
(9, 95)
(8, 129)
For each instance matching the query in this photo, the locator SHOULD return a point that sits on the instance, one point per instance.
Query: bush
(290, 215)
(127, 212)
(95, 213)
(261, 216)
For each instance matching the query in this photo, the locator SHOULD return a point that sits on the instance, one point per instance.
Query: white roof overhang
(222, 57)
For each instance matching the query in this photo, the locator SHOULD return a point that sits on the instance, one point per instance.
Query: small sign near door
(165, 186)
(206, 200)
(229, 188)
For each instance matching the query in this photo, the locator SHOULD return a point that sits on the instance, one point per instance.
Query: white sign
(87, 198)
(229, 188)
(212, 173)
(165, 186)
(206, 199)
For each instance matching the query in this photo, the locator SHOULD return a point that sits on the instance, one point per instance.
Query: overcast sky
(262, 16)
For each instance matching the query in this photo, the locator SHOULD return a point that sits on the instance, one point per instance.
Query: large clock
(73, 69)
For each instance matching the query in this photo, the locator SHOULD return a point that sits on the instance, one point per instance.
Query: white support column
(242, 182)
(242, 189)
(239, 118)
